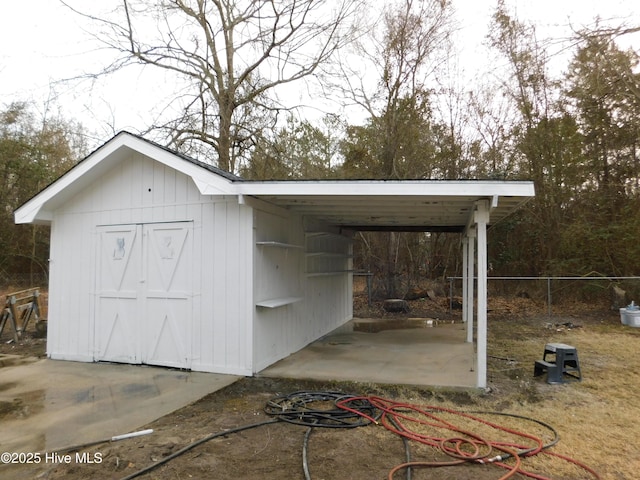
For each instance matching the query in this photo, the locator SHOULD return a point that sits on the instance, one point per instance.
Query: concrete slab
(49, 404)
(433, 354)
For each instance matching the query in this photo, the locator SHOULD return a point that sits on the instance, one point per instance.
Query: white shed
(159, 259)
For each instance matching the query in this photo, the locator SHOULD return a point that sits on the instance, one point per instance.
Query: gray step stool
(561, 363)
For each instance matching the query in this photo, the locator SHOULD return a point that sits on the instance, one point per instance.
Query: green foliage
(33, 153)
(408, 149)
(605, 91)
(578, 143)
(577, 138)
(297, 150)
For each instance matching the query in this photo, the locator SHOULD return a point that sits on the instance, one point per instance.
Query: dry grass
(596, 418)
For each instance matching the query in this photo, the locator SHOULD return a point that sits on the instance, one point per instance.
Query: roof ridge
(199, 163)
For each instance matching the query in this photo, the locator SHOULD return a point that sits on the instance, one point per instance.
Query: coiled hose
(303, 408)
(464, 446)
(299, 408)
(338, 410)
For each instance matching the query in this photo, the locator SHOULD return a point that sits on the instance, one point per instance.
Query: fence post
(549, 297)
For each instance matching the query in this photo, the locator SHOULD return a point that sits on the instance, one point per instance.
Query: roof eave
(39, 209)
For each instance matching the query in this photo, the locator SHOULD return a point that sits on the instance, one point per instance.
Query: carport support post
(465, 272)
(468, 280)
(481, 220)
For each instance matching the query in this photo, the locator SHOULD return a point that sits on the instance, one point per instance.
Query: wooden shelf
(278, 302)
(326, 274)
(278, 244)
(326, 234)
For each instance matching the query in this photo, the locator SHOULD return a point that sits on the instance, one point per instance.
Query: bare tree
(391, 76)
(491, 117)
(396, 62)
(233, 56)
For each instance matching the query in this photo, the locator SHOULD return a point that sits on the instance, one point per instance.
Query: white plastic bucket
(623, 316)
(633, 318)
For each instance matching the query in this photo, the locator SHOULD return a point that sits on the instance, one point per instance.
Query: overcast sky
(41, 41)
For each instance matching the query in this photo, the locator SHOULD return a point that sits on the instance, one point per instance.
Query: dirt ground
(275, 451)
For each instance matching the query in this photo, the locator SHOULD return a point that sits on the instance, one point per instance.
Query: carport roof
(421, 205)
(410, 205)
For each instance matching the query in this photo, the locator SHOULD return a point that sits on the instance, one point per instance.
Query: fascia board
(388, 188)
(207, 182)
(30, 211)
(34, 210)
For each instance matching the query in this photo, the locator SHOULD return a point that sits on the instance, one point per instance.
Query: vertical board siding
(231, 271)
(225, 286)
(206, 325)
(71, 282)
(283, 272)
(218, 290)
(244, 322)
(278, 274)
(141, 190)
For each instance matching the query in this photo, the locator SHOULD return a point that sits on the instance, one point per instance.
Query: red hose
(463, 446)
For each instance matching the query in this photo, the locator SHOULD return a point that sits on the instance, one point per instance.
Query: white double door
(143, 294)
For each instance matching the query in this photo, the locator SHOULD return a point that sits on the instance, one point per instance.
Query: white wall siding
(140, 190)
(286, 259)
(70, 326)
(225, 330)
(279, 275)
(328, 297)
(264, 282)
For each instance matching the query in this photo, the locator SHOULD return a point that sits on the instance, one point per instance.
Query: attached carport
(468, 207)
(222, 270)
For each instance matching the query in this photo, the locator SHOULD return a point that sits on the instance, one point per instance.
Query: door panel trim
(148, 304)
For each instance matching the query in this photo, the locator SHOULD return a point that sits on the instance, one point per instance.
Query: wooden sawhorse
(19, 309)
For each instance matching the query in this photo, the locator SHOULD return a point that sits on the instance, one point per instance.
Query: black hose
(305, 461)
(195, 444)
(297, 408)
(307, 435)
(524, 453)
(318, 409)
(302, 408)
(293, 408)
(407, 449)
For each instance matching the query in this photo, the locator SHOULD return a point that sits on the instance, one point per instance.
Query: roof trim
(440, 188)
(419, 205)
(208, 179)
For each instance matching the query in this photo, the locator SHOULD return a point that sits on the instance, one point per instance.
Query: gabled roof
(444, 205)
(208, 179)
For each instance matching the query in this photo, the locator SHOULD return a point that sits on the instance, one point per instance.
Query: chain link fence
(13, 281)
(603, 292)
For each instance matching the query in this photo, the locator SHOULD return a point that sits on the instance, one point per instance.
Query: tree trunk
(224, 134)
